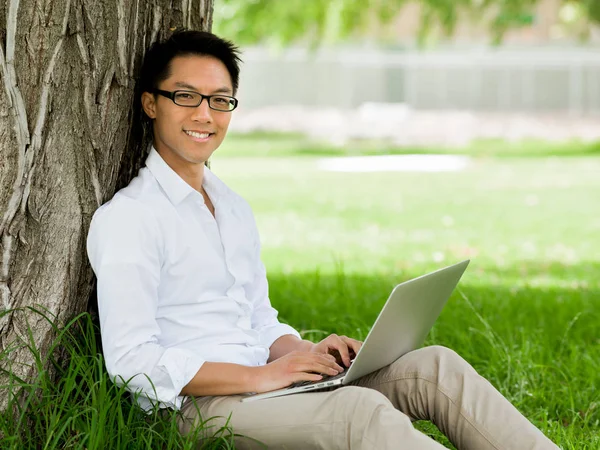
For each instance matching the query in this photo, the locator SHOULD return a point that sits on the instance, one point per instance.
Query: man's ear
(149, 104)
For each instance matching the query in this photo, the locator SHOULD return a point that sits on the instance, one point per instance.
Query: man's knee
(434, 361)
(442, 354)
(448, 358)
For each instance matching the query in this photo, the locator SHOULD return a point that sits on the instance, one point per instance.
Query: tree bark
(69, 137)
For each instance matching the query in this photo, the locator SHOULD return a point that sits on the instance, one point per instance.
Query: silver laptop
(402, 325)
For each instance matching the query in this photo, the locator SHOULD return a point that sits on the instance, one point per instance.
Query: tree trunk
(69, 137)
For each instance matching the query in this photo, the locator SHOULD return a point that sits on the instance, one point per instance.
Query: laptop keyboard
(325, 378)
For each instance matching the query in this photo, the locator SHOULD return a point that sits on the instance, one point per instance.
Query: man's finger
(353, 344)
(306, 376)
(328, 360)
(320, 358)
(324, 367)
(338, 344)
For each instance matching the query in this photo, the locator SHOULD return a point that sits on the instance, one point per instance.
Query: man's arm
(220, 379)
(124, 247)
(291, 360)
(227, 378)
(286, 344)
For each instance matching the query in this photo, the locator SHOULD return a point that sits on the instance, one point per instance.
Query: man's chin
(197, 157)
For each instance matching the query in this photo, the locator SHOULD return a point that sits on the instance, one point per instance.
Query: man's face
(173, 124)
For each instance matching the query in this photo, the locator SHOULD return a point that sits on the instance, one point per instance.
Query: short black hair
(157, 61)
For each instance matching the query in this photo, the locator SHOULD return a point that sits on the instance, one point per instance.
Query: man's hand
(343, 348)
(294, 367)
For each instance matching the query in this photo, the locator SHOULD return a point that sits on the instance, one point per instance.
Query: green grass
(79, 407)
(526, 313)
(269, 144)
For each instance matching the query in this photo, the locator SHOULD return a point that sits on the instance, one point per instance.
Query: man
(185, 312)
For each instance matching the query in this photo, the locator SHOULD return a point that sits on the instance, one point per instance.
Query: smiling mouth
(197, 135)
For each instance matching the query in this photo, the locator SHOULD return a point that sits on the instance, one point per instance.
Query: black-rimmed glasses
(191, 99)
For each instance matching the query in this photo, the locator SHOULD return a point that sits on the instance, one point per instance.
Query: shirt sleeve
(124, 248)
(264, 316)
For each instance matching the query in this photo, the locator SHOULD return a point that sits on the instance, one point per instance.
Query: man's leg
(434, 383)
(347, 418)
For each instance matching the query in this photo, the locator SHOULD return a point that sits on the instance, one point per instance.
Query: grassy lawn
(528, 309)
(270, 144)
(526, 313)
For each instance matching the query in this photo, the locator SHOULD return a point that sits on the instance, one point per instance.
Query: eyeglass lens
(218, 102)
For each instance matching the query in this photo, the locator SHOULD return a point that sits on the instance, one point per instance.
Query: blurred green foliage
(279, 23)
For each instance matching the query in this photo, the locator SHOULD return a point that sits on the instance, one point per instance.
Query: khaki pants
(376, 411)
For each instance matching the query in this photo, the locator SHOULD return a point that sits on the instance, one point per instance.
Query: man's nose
(202, 112)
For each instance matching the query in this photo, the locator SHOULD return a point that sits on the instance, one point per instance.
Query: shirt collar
(214, 186)
(174, 186)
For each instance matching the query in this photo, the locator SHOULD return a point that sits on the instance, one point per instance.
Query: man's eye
(220, 100)
(185, 96)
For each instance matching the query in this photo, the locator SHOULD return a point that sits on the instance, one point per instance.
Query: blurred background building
(539, 79)
(508, 78)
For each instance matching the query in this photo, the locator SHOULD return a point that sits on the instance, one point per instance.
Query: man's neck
(192, 174)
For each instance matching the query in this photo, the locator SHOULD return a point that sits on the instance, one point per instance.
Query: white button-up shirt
(177, 286)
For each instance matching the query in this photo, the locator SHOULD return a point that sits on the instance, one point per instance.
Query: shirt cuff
(180, 366)
(270, 334)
